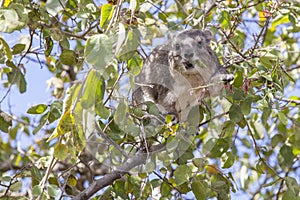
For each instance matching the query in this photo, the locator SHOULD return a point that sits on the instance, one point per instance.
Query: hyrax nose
(188, 55)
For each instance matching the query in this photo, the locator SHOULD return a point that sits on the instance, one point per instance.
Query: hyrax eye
(200, 43)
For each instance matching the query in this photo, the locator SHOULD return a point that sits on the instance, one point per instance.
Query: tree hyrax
(180, 73)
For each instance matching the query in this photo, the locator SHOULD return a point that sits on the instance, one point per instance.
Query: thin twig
(115, 84)
(108, 139)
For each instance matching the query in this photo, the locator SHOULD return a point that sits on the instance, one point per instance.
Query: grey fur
(176, 74)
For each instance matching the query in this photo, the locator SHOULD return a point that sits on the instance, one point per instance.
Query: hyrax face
(192, 57)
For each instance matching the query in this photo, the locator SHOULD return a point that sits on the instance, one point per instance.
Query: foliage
(94, 50)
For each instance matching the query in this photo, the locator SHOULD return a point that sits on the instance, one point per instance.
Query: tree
(96, 144)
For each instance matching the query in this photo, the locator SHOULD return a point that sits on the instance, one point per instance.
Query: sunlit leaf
(53, 190)
(224, 19)
(37, 109)
(135, 64)
(238, 79)
(120, 115)
(60, 151)
(37, 190)
(10, 20)
(6, 48)
(98, 51)
(130, 45)
(5, 121)
(106, 13)
(280, 19)
(72, 180)
(92, 83)
(282, 117)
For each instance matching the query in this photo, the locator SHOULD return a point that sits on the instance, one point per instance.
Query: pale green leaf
(282, 117)
(37, 190)
(53, 190)
(10, 21)
(61, 151)
(98, 51)
(182, 174)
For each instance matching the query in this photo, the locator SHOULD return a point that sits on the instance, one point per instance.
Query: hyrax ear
(207, 35)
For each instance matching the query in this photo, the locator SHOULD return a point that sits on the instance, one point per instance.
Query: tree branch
(109, 179)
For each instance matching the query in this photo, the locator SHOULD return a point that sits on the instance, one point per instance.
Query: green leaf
(6, 48)
(224, 19)
(289, 195)
(37, 109)
(98, 51)
(106, 14)
(266, 61)
(91, 89)
(120, 116)
(5, 121)
(199, 190)
(16, 77)
(60, 151)
(293, 185)
(227, 129)
(200, 163)
(130, 46)
(48, 42)
(165, 189)
(10, 21)
(282, 117)
(135, 64)
(36, 176)
(55, 111)
(238, 79)
(67, 57)
(53, 7)
(266, 115)
(72, 180)
(152, 109)
(53, 190)
(182, 174)
(276, 139)
(102, 111)
(37, 190)
(238, 94)
(229, 161)
(16, 186)
(286, 156)
(246, 105)
(235, 113)
(18, 48)
(220, 147)
(279, 20)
